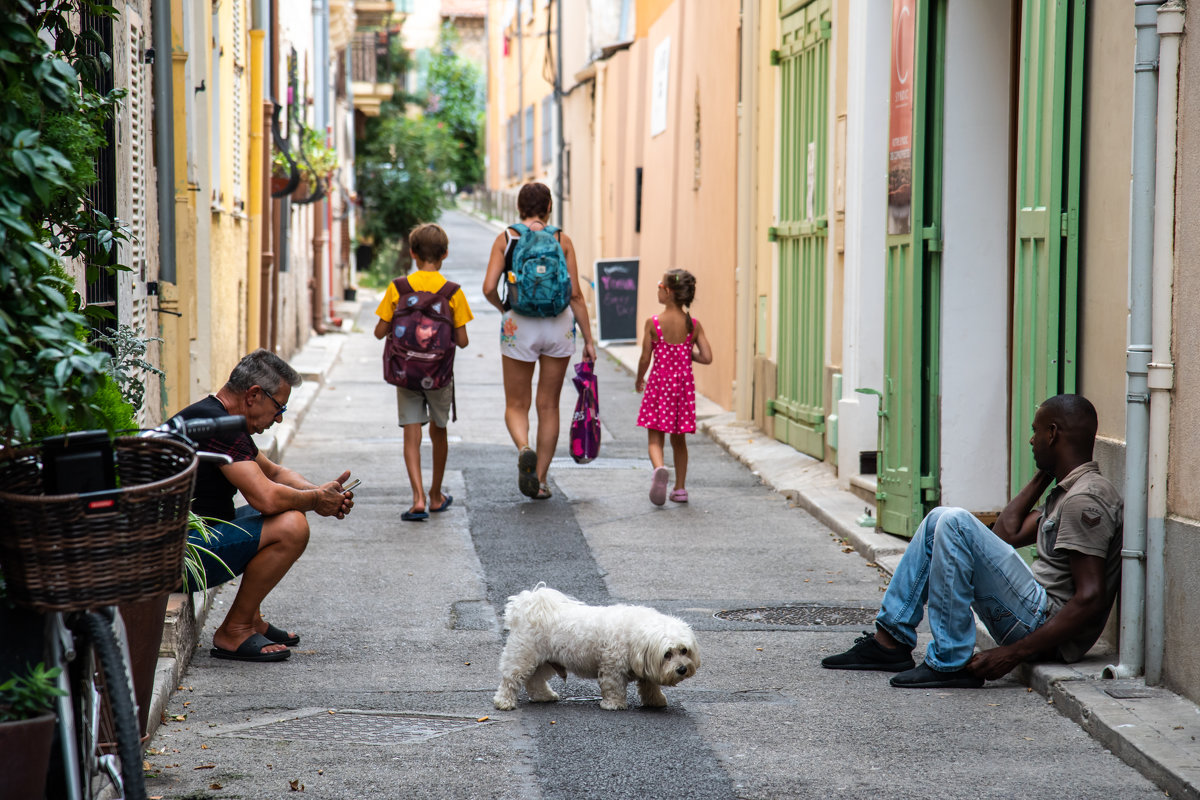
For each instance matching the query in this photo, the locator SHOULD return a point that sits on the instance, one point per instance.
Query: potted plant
(27, 729)
(314, 159)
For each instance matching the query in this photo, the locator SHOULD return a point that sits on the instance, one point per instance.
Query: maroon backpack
(418, 353)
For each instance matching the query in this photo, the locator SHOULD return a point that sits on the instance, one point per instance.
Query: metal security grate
(801, 615)
(357, 727)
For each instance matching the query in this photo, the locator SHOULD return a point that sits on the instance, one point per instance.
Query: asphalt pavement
(389, 692)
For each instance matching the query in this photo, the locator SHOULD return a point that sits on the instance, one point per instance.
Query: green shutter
(1046, 256)
(802, 229)
(907, 480)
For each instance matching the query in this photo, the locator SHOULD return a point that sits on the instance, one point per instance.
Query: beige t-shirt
(1084, 513)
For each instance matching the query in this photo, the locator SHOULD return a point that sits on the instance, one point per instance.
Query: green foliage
(195, 576)
(315, 160)
(456, 101)
(29, 695)
(401, 170)
(51, 122)
(128, 362)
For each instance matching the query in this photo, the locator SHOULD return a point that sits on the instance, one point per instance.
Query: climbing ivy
(51, 124)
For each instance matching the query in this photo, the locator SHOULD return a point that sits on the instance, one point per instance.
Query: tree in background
(455, 98)
(415, 149)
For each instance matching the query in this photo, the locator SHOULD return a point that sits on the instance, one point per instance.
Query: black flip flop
(445, 505)
(527, 480)
(281, 637)
(414, 516)
(251, 650)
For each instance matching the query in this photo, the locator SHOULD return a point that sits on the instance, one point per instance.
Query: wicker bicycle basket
(57, 555)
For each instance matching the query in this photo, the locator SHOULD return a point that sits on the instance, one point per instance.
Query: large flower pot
(25, 757)
(144, 631)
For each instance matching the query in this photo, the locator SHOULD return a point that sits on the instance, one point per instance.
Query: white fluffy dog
(551, 633)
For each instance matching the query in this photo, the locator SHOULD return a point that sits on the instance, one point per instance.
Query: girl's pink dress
(669, 404)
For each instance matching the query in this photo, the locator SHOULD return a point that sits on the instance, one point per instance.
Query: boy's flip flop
(251, 650)
(414, 516)
(281, 637)
(445, 504)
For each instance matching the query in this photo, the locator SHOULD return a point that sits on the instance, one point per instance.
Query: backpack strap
(448, 289)
(403, 286)
(521, 228)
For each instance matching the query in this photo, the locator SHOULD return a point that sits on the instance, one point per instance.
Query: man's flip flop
(281, 637)
(251, 650)
(445, 504)
(414, 516)
(527, 480)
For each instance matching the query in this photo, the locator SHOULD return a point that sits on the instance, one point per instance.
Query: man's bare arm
(1017, 523)
(275, 489)
(1084, 606)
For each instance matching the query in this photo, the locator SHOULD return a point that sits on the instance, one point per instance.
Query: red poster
(900, 123)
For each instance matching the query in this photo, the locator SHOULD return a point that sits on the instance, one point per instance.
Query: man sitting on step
(1055, 609)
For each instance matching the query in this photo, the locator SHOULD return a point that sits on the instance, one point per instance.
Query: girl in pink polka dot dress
(673, 340)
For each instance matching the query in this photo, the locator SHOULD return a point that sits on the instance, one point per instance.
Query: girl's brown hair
(682, 286)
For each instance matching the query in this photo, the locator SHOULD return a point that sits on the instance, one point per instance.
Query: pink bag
(585, 425)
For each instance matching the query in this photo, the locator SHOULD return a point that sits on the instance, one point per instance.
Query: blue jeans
(955, 564)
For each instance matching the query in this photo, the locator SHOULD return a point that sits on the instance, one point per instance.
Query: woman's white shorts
(528, 338)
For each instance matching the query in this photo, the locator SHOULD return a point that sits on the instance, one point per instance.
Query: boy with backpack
(423, 317)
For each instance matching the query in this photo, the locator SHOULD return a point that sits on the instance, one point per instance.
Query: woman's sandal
(543, 492)
(527, 480)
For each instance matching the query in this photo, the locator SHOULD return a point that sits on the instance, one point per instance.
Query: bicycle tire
(120, 697)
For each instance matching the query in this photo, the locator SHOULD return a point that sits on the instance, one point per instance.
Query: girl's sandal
(543, 492)
(679, 496)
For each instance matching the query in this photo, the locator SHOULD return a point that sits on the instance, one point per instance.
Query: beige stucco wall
(1181, 657)
(1104, 244)
(765, 111)
(694, 214)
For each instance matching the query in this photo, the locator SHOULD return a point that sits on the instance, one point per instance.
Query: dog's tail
(538, 603)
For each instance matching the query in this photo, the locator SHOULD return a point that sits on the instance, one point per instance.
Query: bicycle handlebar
(193, 429)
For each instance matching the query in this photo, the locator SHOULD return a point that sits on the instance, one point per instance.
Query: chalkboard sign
(616, 299)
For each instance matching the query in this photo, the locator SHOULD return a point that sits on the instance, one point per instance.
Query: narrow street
(389, 692)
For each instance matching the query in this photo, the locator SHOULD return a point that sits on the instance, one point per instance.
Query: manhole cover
(801, 615)
(355, 727)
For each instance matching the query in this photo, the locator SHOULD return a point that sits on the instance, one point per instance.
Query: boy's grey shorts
(416, 407)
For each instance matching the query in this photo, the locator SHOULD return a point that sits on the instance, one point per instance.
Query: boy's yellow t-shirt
(422, 280)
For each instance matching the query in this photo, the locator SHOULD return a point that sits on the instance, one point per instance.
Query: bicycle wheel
(115, 664)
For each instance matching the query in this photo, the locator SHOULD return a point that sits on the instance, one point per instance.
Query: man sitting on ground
(262, 540)
(1056, 609)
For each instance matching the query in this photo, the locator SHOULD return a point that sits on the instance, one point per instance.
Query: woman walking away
(674, 340)
(543, 304)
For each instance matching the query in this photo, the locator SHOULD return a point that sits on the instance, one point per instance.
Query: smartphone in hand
(350, 486)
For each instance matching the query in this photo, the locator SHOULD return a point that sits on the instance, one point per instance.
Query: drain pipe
(1162, 370)
(1137, 355)
(164, 138)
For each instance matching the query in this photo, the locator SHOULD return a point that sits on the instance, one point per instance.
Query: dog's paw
(504, 703)
(613, 705)
(547, 696)
(652, 696)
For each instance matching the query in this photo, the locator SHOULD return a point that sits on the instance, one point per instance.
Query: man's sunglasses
(282, 408)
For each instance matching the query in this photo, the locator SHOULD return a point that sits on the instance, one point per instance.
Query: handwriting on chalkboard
(616, 298)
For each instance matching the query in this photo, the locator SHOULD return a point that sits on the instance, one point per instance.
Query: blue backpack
(539, 284)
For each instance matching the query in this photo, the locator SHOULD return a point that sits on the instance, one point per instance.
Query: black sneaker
(868, 653)
(926, 677)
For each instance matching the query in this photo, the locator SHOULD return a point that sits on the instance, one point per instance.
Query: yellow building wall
(764, 108)
(229, 245)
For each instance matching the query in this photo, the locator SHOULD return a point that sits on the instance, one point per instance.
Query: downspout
(558, 108)
(254, 192)
(320, 112)
(1137, 355)
(164, 139)
(1161, 369)
(746, 320)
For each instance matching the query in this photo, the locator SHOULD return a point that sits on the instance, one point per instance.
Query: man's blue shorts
(230, 547)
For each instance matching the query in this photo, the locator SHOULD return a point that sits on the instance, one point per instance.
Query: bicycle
(93, 522)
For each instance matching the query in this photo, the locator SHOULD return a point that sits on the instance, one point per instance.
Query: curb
(188, 613)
